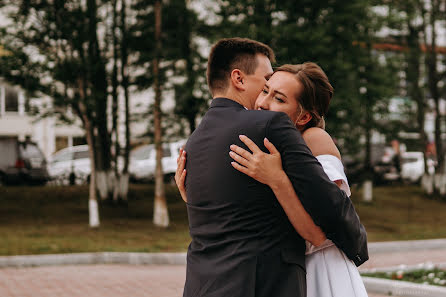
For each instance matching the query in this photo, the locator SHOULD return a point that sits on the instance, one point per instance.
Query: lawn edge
(401, 288)
(93, 258)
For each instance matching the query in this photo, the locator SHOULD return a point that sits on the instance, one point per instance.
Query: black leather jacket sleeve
(329, 206)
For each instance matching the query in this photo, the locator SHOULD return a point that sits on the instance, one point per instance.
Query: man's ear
(238, 79)
(304, 119)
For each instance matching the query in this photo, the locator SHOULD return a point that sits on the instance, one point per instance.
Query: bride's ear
(304, 119)
(238, 79)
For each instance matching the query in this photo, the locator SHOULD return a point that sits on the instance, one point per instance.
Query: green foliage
(337, 35)
(56, 51)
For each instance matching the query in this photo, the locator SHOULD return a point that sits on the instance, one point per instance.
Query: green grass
(401, 213)
(46, 220)
(429, 277)
(42, 220)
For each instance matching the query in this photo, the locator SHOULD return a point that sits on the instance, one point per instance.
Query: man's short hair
(233, 53)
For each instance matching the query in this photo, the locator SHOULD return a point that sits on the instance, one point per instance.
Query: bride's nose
(263, 105)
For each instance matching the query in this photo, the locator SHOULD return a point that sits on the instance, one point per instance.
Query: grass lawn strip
(51, 220)
(435, 276)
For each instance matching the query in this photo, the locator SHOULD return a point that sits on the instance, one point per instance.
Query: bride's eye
(280, 100)
(264, 91)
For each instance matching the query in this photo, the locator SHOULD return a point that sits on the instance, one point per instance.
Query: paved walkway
(94, 281)
(135, 280)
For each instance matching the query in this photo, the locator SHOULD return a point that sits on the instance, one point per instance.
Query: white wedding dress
(329, 272)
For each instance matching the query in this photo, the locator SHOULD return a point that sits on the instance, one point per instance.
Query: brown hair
(317, 91)
(233, 53)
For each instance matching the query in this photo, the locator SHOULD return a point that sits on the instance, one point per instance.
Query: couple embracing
(267, 198)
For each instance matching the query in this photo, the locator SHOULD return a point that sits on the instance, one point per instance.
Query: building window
(79, 141)
(61, 142)
(11, 100)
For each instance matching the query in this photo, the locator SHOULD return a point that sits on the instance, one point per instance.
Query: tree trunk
(414, 57)
(368, 106)
(160, 213)
(114, 83)
(368, 181)
(433, 79)
(93, 209)
(125, 85)
(98, 92)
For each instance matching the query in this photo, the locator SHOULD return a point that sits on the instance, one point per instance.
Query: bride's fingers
(181, 185)
(249, 143)
(240, 168)
(180, 165)
(240, 151)
(239, 159)
(271, 148)
(182, 180)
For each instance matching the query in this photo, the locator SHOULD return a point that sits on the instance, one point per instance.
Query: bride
(303, 92)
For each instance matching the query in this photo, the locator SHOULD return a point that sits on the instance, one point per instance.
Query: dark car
(21, 163)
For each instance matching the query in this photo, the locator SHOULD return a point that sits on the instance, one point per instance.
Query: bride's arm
(267, 169)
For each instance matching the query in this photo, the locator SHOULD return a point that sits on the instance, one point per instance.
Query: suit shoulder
(266, 115)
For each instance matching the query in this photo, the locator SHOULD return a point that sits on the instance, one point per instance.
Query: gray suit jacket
(242, 241)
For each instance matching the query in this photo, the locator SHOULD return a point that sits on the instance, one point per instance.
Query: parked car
(22, 163)
(387, 168)
(412, 168)
(70, 163)
(382, 167)
(143, 161)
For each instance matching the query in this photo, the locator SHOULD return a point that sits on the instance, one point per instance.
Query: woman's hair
(317, 91)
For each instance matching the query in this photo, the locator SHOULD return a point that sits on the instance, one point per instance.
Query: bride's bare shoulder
(320, 142)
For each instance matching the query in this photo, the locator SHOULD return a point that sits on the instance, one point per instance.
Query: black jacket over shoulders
(242, 241)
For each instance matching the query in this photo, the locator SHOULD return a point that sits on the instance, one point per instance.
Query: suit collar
(225, 102)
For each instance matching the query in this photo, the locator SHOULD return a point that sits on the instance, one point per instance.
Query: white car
(412, 166)
(143, 161)
(71, 160)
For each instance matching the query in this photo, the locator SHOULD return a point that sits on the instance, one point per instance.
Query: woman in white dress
(303, 92)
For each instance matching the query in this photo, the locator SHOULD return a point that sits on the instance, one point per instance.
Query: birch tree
(160, 213)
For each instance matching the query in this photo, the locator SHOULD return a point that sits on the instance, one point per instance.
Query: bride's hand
(180, 174)
(263, 167)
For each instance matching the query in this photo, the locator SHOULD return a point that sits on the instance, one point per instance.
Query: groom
(243, 244)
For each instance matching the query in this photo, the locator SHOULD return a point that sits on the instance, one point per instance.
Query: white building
(15, 122)
(51, 135)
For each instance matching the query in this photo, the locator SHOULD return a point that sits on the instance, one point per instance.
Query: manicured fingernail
(232, 146)
(241, 136)
(231, 153)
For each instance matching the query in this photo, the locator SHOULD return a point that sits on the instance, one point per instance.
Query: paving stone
(112, 280)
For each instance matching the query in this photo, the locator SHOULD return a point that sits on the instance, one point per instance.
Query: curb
(402, 288)
(94, 258)
(403, 267)
(180, 258)
(406, 246)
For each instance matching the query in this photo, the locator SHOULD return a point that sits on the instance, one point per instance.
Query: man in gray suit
(243, 243)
